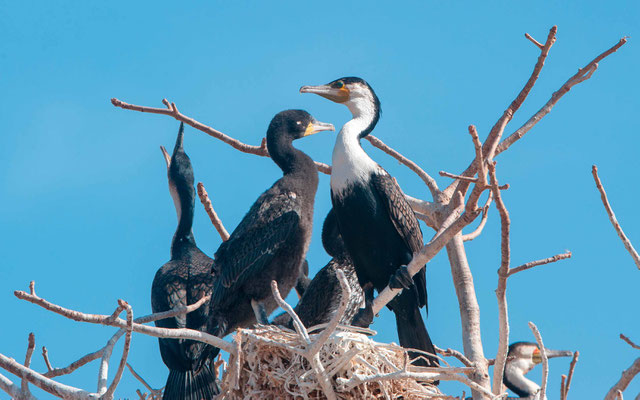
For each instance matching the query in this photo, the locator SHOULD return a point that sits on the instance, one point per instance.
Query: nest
(278, 363)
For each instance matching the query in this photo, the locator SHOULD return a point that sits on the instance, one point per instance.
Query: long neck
(350, 163)
(183, 199)
(515, 380)
(290, 160)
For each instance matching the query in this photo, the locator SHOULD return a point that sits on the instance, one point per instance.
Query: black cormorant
(182, 281)
(272, 239)
(379, 228)
(322, 298)
(521, 359)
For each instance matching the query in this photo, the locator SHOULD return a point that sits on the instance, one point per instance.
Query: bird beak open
(167, 157)
(315, 127)
(334, 94)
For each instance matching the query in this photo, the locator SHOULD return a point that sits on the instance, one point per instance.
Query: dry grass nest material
(273, 364)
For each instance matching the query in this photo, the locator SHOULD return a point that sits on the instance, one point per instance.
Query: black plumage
(379, 228)
(322, 298)
(182, 281)
(272, 239)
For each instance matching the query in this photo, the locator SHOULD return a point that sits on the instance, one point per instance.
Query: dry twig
(215, 220)
(545, 360)
(612, 218)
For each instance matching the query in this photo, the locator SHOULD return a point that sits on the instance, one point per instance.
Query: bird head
(295, 124)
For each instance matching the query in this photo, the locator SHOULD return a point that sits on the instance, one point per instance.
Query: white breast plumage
(350, 164)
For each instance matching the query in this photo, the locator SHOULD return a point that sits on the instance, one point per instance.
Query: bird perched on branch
(272, 239)
(379, 228)
(323, 295)
(182, 281)
(521, 359)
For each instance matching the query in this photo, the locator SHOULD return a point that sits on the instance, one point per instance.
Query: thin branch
(24, 385)
(485, 214)
(540, 45)
(427, 252)
(625, 380)
(582, 75)
(460, 177)
(45, 356)
(612, 218)
(545, 360)
(626, 339)
(491, 143)
(455, 353)
(155, 393)
(426, 178)
(532, 264)
(215, 220)
(345, 293)
(182, 333)
(125, 351)
(10, 388)
(501, 290)
(297, 323)
(172, 111)
(572, 367)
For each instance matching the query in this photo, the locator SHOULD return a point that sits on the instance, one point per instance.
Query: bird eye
(339, 84)
(298, 122)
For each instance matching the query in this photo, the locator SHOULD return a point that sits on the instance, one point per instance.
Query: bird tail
(412, 332)
(191, 385)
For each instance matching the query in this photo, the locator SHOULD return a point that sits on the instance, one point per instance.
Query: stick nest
(273, 363)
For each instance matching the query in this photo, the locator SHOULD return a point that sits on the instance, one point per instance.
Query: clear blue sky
(86, 212)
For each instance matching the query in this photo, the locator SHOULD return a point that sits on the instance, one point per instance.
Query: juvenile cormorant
(182, 281)
(272, 239)
(322, 298)
(521, 359)
(379, 228)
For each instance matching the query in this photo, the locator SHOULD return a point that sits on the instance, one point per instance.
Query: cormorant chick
(322, 298)
(182, 281)
(521, 359)
(379, 228)
(272, 239)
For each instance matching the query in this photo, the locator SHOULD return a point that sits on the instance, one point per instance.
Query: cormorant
(182, 281)
(521, 359)
(379, 228)
(272, 239)
(322, 298)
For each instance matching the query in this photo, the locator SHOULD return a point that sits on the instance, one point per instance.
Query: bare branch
(463, 178)
(297, 323)
(45, 356)
(625, 380)
(582, 75)
(182, 333)
(612, 218)
(24, 385)
(155, 393)
(626, 339)
(427, 252)
(485, 214)
(426, 178)
(532, 264)
(125, 351)
(545, 360)
(455, 353)
(501, 291)
(172, 111)
(215, 220)
(540, 45)
(572, 367)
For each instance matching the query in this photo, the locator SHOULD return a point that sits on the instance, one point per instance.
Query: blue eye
(339, 84)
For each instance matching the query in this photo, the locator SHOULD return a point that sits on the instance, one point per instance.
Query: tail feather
(191, 385)
(412, 332)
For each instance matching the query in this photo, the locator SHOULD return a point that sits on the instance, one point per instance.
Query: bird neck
(290, 160)
(515, 380)
(350, 163)
(184, 201)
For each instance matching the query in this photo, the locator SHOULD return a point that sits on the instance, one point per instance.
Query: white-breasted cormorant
(379, 228)
(272, 239)
(521, 359)
(322, 297)
(182, 281)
